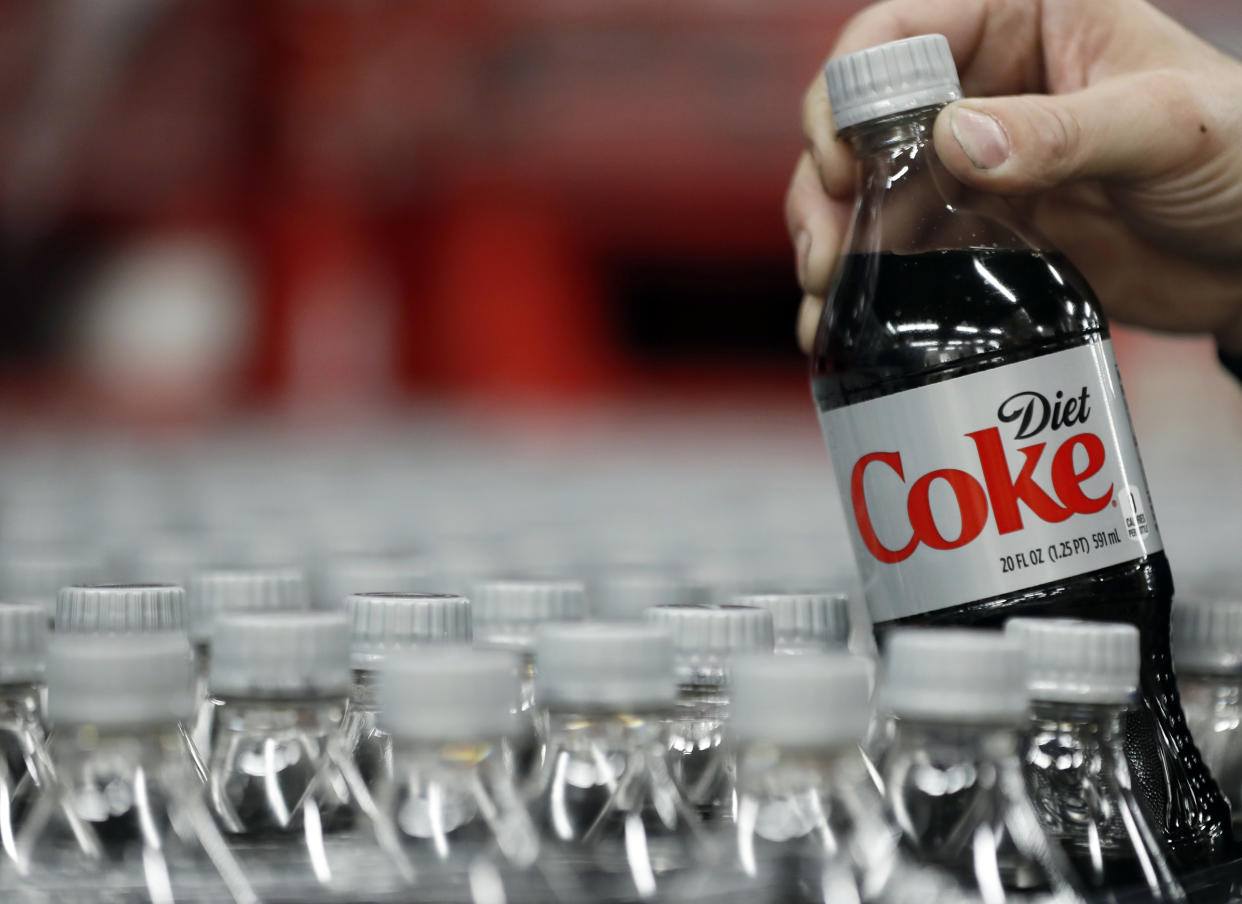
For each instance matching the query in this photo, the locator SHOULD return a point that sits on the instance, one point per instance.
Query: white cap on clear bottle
(705, 637)
(506, 612)
(1073, 661)
(449, 694)
(23, 642)
(283, 655)
(382, 623)
(219, 590)
(769, 694)
(93, 679)
(120, 608)
(604, 665)
(955, 675)
(1207, 637)
(804, 622)
(891, 78)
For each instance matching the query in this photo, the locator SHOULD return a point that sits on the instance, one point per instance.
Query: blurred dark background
(308, 205)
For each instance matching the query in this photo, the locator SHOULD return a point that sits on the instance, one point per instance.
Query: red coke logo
(1001, 490)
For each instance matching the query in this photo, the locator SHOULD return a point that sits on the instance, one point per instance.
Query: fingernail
(802, 250)
(981, 137)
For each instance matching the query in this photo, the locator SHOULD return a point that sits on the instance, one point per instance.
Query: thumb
(1129, 129)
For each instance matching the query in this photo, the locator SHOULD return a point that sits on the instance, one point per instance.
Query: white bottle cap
(23, 642)
(283, 655)
(366, 573)
(954, 675)
(506, 612)
(449, 694)
(112, 679)
(805, 620)
(891, 78)
(623, 596)
(120, 608)
(800, 701)
(1073, 661)
(1207, 636)
(35, 574)
(704, 637)
(219, 590)
(382, 623)
(604, 665)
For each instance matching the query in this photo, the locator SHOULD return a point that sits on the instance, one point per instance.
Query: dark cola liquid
(895, 322)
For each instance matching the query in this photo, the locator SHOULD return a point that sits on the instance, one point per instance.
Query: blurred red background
(309, 204)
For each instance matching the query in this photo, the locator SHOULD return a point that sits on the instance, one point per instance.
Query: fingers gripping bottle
(953, 782)
(1082, 676)
(968, 392)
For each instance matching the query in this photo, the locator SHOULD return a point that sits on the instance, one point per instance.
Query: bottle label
(991, 483)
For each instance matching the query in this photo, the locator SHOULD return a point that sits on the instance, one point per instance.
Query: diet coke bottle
(968, 391)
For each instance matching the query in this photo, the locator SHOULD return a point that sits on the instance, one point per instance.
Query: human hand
(1123, 126)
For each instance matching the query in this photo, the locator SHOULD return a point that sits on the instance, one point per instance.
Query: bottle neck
(457, 764)
(364, 689)
(20, 703)
(954, 742)
(766, 770)
(893, 134)
(1085, 731)
(607, 729)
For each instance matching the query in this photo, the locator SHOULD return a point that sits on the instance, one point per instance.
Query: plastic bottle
(705, 637)
(1207, 651)
(276, 766)
(505, 615)
(953, 778)
(220, 590)
(804, 622)
(463, 833)
(1083, 678)
(970, 397)
(121, 811)
(384, 624)
(23, 652)
(810, 825)
(604, 795)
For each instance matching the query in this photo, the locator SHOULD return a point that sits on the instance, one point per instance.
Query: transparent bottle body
(699, 759)
(958, 797)
(610, 808)
(940, 281)
(1079, 781)
(462, 830)
(1213, 706)
(368, 744)
(810, 828)
(23, 755)
(121, 812)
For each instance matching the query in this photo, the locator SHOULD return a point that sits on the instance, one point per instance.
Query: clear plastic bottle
(505, 615)
(810, 825)
(23, 651)
(463, 833)
(969, 393)
(381, 625)
(705, 637)
(1083, 679)
(120, 608)
(804, 622)
(220, 590)
(1207, 652)
(605, 797)
(953, 778)
(121, 811)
